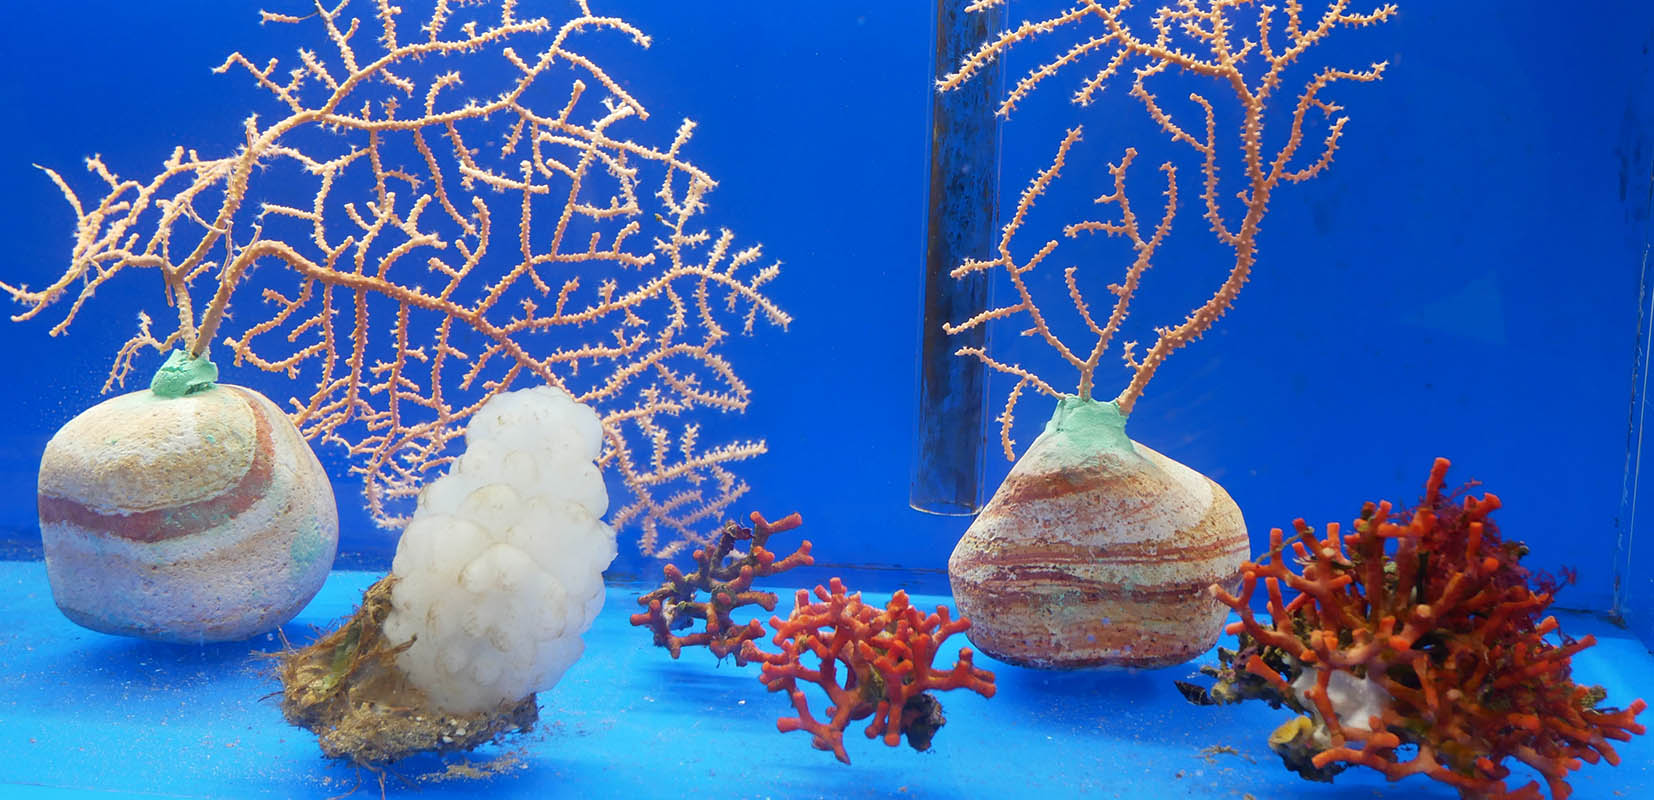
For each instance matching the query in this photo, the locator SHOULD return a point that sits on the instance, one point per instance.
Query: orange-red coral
(1432, 606)
(887, 655)
(727, 583)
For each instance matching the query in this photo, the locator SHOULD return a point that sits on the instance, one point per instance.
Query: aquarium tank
(977, 398)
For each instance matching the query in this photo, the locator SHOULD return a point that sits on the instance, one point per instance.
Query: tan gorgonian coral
(1199, 37)
(402, 201)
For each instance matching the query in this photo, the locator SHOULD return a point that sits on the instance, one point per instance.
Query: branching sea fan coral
(887, 657)
(1415, 646)
(433, 209)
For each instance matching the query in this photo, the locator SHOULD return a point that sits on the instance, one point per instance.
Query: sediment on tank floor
(94, 714)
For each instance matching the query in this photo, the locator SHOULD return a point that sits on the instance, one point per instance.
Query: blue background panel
(1464, 282)
(1467, 281)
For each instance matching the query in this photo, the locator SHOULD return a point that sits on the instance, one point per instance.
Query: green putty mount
(1090, 425)
(183, 375)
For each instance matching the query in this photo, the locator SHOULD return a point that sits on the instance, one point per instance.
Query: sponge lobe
(501, 569)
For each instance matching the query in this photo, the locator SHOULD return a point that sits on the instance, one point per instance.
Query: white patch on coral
(1354, 700)
(501, 569)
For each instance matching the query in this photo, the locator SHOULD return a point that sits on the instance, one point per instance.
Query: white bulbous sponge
(501, 569)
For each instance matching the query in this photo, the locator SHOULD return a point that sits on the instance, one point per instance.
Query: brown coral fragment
(725, 575)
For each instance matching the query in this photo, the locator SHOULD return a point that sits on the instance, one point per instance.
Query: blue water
(1468, 281)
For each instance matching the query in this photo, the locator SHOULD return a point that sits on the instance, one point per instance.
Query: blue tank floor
(83, 714)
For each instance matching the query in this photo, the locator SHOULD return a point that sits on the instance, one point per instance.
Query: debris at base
(1211, 753)
(347, 689)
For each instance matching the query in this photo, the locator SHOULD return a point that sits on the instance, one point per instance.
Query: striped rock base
(201, 518)
(1097, 552)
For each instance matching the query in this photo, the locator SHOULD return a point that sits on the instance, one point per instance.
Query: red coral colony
(887, 657)
(887, 654)
(726, 576)
(1418, 634)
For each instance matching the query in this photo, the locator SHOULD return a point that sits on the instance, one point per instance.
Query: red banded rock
(1097, 551)
(200, 517)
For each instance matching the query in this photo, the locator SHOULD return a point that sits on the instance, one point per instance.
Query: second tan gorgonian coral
(441, 215)
(1246, 48)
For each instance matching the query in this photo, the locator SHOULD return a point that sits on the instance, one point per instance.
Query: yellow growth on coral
(1189, 36)
(417, 282)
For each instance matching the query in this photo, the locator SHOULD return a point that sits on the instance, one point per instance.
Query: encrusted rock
(199, 518)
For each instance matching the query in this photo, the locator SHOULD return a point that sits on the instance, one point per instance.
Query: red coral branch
(887, 655)
(726, 576)
(1432, 607)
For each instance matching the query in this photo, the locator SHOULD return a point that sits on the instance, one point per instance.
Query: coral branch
(725, 575)
(1418, 629)
(888, 658)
